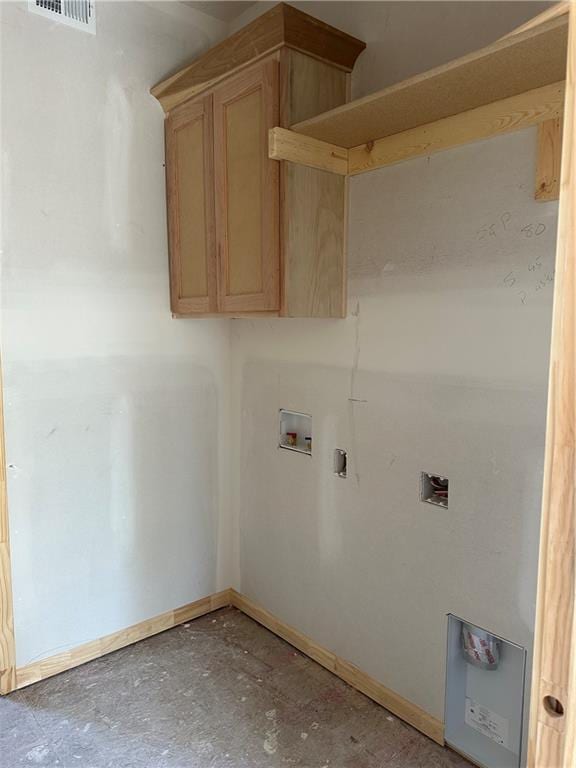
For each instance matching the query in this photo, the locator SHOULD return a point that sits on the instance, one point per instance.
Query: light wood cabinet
(247, 191)
(248, 234)
(190, 198)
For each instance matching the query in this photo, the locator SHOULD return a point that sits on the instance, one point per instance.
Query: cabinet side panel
(313, 202)
(312, 87)
(314, 253)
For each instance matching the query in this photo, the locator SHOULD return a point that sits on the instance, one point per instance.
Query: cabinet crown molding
(281, 26)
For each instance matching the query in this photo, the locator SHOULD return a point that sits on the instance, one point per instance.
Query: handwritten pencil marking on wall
(519, 280)
(513, 277)
(505, 224)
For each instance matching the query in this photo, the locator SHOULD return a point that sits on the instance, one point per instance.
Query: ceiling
(225, 10)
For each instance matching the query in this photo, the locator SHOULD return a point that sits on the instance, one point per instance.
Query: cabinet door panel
(247, 191)
(190, 192)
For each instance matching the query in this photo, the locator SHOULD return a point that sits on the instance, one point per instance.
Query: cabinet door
(247, 191)
(190, 194)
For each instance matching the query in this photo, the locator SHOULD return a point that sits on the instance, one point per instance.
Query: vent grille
(74, 13)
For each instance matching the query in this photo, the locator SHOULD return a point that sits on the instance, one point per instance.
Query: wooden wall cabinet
(190, 200)
(247, 200)
(247, 234)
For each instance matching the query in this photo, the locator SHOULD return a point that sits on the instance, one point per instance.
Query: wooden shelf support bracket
(540, 106)
(548, 160)
(284, 144)
(497, 118)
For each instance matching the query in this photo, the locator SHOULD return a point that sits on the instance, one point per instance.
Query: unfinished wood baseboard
(346, 671)
(40, 670)
(405, 710)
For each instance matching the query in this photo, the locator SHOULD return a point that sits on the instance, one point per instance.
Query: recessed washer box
(434, 489)
(295, 431)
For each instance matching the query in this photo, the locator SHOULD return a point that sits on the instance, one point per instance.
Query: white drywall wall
(440, 366)
(408, 37)
(117, 417)
(116, 414)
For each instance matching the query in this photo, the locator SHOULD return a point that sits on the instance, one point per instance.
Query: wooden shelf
(518, 63)
(517, 82)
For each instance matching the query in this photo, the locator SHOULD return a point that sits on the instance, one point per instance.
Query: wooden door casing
(552, 736)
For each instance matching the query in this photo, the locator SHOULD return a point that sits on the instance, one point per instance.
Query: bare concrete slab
(219, 692)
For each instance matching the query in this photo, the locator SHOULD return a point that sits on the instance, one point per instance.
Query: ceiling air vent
(74, 13)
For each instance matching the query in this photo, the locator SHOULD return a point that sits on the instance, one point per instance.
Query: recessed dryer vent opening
(295, 431)
(434, 489)
(485, 689)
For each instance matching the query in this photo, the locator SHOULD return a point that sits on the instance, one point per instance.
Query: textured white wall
(446, 350)
(446, 347)
(410, 36)
(117, 417)
(115, 413)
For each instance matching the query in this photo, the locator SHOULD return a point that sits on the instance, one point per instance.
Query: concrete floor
(220, 692)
